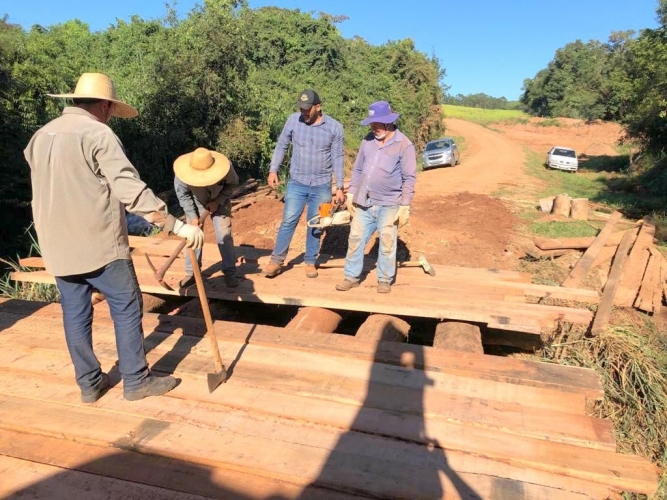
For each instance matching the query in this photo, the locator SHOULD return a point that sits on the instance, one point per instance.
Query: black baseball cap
(307, 99)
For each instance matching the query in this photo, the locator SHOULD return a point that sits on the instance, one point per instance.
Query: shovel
(220, 375)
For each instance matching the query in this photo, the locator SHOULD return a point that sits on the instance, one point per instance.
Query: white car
(562, 159)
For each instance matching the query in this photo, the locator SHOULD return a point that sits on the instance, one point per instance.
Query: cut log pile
(638, 274)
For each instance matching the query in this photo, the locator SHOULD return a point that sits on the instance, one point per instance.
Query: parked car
(562, 159)
(441, 152)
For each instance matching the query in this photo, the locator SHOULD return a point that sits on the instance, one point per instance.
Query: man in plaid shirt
(317, 153)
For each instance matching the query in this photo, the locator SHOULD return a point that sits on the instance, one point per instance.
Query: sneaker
(346, 285)
(272, 270)
(231, 281)
(384, 287)
(94, 393)
(187, 281)
(151, 386)
(311, 271)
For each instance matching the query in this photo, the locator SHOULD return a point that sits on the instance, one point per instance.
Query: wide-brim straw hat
(202, 167)
(99, 86)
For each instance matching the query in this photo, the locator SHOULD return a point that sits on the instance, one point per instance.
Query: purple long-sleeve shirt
(384, 174)
(317, 150)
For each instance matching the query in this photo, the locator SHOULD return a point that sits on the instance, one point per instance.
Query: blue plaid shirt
(317, 150)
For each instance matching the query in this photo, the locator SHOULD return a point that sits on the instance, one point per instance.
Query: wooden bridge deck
(303, 415)
(501, 299)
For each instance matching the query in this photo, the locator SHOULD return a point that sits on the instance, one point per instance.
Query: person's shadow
(391, 419)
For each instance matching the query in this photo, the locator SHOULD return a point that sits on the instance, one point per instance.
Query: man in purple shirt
(317, 152)
(379, 196)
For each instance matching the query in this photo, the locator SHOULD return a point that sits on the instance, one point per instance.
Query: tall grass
(631, 360)
(483, 116)
(11, 289)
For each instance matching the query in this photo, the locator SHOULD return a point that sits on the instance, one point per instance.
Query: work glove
(348, 203)
(403, 215)
(192, 234)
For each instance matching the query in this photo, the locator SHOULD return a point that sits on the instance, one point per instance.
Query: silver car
(441, 152)
(562, 159)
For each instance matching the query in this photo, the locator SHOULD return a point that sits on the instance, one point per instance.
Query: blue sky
(487, 46)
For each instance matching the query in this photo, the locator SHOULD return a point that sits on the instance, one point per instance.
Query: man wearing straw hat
(381, 190)
(205, 180)
(82, 183)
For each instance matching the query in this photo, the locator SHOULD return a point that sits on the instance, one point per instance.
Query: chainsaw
(330, 215)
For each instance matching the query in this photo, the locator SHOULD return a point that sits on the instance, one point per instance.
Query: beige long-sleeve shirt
(82, 183)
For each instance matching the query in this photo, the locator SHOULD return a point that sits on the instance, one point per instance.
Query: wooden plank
(294, 370)
(607, 301)
(355, 462)
(26, 479)
(649, 284)
(348, 410)
(300, 294)
(184, 419)
(583, 265)
(199, 480)
(507, 369)
(492, 368)
(635, 267)
(575, 243)
(657, 293)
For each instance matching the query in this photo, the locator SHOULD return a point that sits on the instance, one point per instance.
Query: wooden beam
(635, 267)
(607, 301)
(583, 265)
(650, 282)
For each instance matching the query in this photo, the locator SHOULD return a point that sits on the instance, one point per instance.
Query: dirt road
(489, 163)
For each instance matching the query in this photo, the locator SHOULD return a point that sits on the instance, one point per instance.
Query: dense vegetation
(224, 77)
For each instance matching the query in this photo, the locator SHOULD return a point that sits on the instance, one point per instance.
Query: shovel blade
(215, 379)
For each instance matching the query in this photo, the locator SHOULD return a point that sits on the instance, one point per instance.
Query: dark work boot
(231, 281)
(94, 393)
(151, 386)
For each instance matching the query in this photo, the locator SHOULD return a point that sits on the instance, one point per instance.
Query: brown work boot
(272, 270)
(346, 285)
(231, 281)
(311, 271)
(151, 386)
(384, 287)
(97, 391)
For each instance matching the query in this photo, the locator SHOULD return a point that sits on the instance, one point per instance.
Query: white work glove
(348, 203)
(192, 234)
(403, 215)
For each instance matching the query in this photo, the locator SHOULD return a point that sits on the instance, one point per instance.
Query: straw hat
(99, 86)
(202, 167)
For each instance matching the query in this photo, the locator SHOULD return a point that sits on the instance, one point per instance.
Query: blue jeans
(365, 222)
(118, 282)
(297, 197)
(222, 225)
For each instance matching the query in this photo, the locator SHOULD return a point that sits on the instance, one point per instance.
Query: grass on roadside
(483, 116)
(558, 229)
(11, 289)
(631, 360)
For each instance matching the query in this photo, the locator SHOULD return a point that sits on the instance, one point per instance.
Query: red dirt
(455, 218)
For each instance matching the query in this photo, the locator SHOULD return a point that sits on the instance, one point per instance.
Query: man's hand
(339, 198)
(273, 180)
(348, 203)
(194, 222)
(402, 216)
(192, 234)
(213, 207)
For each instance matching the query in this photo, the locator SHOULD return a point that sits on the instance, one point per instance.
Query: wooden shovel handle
(210, 331)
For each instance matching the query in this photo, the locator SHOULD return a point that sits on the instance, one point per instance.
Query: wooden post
(561, 205)
(579, 208)
(383, 327)
(458, 336)
(315, 319)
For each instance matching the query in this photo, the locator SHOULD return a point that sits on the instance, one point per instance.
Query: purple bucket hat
(380, 112)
